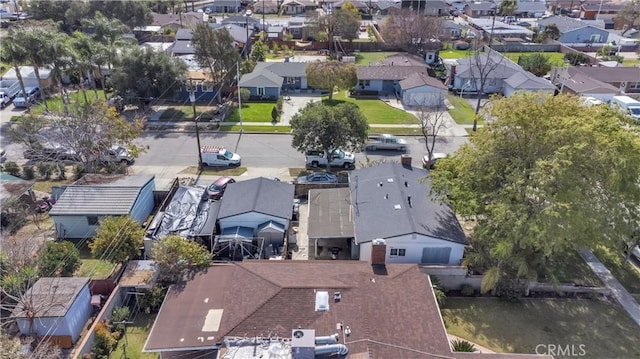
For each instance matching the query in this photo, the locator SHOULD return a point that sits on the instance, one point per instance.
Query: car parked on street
(217, 188)
(32, 95)
(385, 142)
(318, 177)
(431, 163)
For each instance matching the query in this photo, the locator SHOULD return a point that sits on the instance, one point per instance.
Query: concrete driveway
(295, 102)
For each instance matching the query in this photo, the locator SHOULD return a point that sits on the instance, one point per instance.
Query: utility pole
(238, 91)
(192, 98)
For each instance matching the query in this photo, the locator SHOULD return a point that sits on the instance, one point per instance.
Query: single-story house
(609, 10)
(526, 81)
(390, 202)
(422, 90)
(295, 309)
(624, 78)
(241, 35)
(79, 209)
(434, 7)
(258, 209)
(361, 6)
(266, 7)
(298, 7)
(297, 27)
(272, 79)
(479, 8)
(383, 7)
(275, 33)
(581, 84)
(225, 6)
(29, 76)
(61, 308)
(451, 30)
(530, 9)
(242, 21)
(177, 21)
(183, 46)
(500, 29)
(574, 31)
(464, 76)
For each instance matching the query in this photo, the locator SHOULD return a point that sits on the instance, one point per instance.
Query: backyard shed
(80, 208)
(62, 306)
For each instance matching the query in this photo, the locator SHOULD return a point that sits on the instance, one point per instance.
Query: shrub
(467, 290)
(577, 58)
(459, 345)
(279, 104)
(119, 315)
(28, 173)
(12, 168)
(78, 171)
(104, 341)
(62, 171)
(58, 259)
(274, 114)
(45, 169)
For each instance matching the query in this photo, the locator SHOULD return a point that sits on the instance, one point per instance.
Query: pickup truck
(116, 154)
(339, 158)
(8, 90)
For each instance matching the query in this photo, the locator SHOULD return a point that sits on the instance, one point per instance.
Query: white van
(627, 105)
(215, 156)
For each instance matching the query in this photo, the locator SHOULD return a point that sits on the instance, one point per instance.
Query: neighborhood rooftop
(391, 200)
(52, 296)
(330, 213)
(260, 195)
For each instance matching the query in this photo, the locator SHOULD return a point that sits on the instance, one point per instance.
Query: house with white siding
(390, 204)
(61, 306)
(80, 208)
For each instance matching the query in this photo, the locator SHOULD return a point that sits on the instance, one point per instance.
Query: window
(291, 80)
(207, 86)
(92, 220)
(260, 91)
(364, 83)
(595, 38)
(633, 85)
(400, 252)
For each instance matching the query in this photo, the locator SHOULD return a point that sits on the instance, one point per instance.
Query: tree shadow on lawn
(605, 330)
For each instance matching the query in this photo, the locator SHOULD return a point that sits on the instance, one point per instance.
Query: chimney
(409, 201)
(405, 160)
(378, 251)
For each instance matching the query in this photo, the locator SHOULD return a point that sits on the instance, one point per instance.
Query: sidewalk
(619, 292)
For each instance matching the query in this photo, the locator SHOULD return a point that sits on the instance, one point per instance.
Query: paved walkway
(619, 292)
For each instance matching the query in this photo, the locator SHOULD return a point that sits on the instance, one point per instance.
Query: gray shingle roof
(564, 23)
(238, 33)
(610, 74)
(380, 205)
(580, 83)
(528, 81)
(388, 72)
(182, 47)
(481, 6)
(504, 68)
(421, 80)
(531, 6)
(115, 198)
(284, 69)
(240, 20)
(264, 78)
(52, 296)
(260, 195)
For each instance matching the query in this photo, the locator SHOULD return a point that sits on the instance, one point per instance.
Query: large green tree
(322, 127)
(14, 52)
(58, 259)
(330, 75)
(117, 239)
(146, 73)
(214, 51)
(546, 177)
(176, 258)
(538, 64)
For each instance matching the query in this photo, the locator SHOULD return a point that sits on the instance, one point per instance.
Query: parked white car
(215, 156)
(385, 142)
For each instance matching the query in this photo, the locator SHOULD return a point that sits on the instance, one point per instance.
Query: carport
(330, 228)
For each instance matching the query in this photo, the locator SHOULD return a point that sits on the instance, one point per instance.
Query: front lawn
(270, 129)
(177, 113)
(375, 110)
(605, 330)
(55, 102)
(455, 54)
(366, 58)
(253, 112)
(462, 112)
(626, 273)
(136, 335)
(408, 131)
(573, 269)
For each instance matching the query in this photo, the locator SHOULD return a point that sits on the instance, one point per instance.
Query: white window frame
(398, 252)
(260, 91)
(594, 38)
(291, 80)
(207, 86)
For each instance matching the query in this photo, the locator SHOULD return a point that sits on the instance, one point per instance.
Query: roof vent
(386, 196)
(397, 207)
(380, 184)
(390, 180)
(322, 301)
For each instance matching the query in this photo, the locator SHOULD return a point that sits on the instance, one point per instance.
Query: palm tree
(85, 54)
(460, 345)
(507, 7)
(59, 52)
(13, 52)
(34, 40)
(109, 33)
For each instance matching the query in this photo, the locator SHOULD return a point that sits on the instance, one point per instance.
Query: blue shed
(62, 308)
(80, 207)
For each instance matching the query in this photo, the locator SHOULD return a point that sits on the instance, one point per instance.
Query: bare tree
(480, 68)
(432, 121)
(630, 14)
(410, 31)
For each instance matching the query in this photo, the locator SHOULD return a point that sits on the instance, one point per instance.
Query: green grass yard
(91, 267)
(177, 113)
(270, 129)
(365, 58)
(626, 273)
(461, 112)
(605, 330)
(375, 110)
(55, 102)
(556, 58)
(136, 335)
(253, 112)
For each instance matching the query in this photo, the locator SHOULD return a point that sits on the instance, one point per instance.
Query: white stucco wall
(414, 244)
(424, 96)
